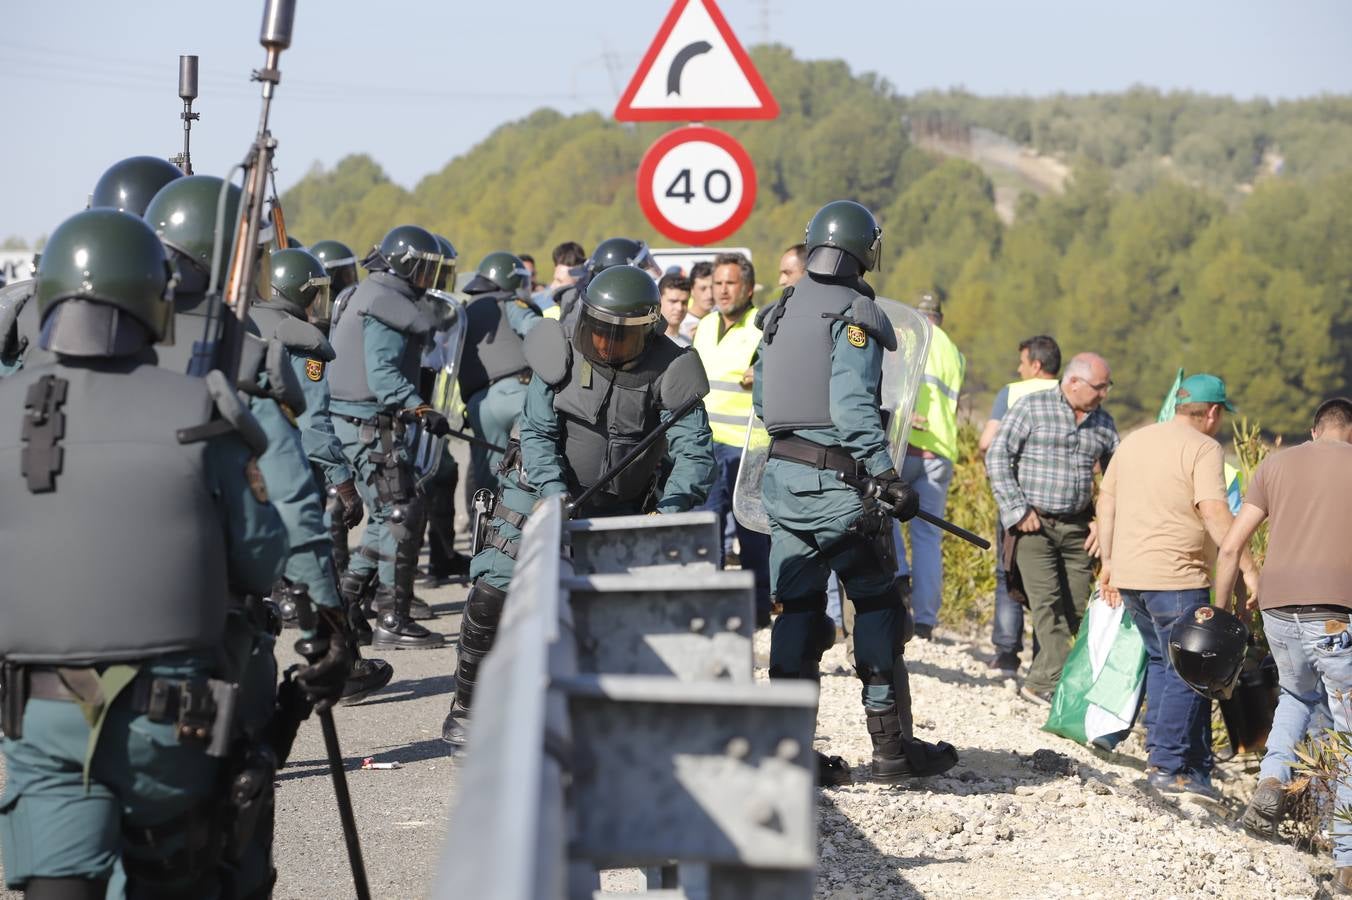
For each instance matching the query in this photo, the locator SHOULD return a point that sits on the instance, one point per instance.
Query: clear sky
(87, 82)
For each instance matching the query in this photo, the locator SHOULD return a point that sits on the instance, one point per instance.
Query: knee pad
(484, 603)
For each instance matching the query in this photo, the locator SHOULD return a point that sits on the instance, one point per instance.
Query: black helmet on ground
(843, 239)
(619, 311)
(129, 184)
(1206, 648)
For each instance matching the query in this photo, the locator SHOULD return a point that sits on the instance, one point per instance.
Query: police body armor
(492, 349)
(390, 300)
(19, 327)
(97, 453)
(796, 356)
(604, 412)
(278, 319)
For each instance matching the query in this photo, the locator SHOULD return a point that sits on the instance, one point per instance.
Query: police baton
(639, 449)
(409, 415)
(869, 488)
(344, 803)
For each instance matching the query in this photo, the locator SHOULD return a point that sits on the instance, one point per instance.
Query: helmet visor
(424, 268)
(613, 340)
(319, 290)
(445, 279)
(342, 274)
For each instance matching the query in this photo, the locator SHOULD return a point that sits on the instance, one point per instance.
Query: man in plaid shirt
(1041, 468)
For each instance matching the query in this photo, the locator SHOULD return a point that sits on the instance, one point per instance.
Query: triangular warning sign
(695, 70)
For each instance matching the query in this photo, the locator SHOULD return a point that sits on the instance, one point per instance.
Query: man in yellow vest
(726, 342)
(1039, 369)
(929, 466)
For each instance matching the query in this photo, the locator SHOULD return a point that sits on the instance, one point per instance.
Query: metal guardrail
(617, 725)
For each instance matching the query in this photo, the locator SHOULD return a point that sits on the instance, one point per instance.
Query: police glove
(330, 660)
(903, 499)
(433, 421)
(351, 500)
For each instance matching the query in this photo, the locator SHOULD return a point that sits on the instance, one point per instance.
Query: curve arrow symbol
(688, 52)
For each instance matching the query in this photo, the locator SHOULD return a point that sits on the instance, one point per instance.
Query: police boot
(396, 628)
(367, 677)
(897, 753)
(478, 627)
(383, 601)
(353, 587)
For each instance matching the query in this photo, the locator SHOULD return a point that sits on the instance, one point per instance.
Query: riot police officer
(823, 412)
(126, 185)
(596, 390)
(131, 685)
(379, 340)
(618, 251)
(493, 367)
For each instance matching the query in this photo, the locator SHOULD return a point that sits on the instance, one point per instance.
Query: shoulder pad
(12, 300)
(684, 379)
(283, 384)
(233, 411)
(304, 338)
(767, 318)
(868, 316)
(547, 351)
(398, 312)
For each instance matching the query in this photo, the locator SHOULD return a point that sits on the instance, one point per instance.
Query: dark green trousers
(1057, 576)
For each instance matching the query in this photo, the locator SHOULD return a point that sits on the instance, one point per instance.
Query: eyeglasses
(1104, 388)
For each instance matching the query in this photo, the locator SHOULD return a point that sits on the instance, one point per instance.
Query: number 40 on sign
(696, 185)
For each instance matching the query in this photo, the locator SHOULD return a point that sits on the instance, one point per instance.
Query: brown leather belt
(801, 450)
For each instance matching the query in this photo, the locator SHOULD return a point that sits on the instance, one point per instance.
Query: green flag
(1171, 398)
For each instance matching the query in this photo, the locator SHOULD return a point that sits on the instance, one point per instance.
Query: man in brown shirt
(1161, 512)
(1305, 592)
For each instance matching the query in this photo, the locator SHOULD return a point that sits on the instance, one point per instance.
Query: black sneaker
(1006, 663)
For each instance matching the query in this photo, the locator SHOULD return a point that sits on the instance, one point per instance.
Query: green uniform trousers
(1057, 577)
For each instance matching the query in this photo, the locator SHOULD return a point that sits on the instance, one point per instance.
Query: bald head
(1086, 381)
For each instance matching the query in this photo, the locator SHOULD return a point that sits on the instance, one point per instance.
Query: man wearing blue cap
(1162, 511)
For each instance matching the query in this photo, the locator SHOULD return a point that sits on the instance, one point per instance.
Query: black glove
(351, 500)
(903, 499)
(435, 422)
(329, 656)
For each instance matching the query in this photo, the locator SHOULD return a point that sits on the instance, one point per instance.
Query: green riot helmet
(299, 281)
(339, 261)
(843, 239)
(619, 312)
(129, 185)
(501, 271)
(293, 243)
(447, 274)
(413, 254)
(98, 266)
(183, 214)
(619, 252)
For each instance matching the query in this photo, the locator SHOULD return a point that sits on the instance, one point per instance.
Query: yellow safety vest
(553, 312)
(1017, 390)
(725, 362)
(937, 400)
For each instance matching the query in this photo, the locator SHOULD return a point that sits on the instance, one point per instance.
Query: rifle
(275, 36)
(187, 92)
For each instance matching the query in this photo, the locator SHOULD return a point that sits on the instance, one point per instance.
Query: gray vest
(492, 349)
(190, 323)
(296, 334)
(604, 412)
(390, 300)
(125, 558)
(796, 355)
(20, 326)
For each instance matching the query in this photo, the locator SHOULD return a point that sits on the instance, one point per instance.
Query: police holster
(394, 481)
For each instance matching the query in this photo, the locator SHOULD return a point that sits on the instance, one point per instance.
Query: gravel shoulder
(1024, 815)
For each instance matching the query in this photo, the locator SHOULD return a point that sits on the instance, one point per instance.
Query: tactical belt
(801, 450)
(510, 516)
(192, 705)
(502, 544)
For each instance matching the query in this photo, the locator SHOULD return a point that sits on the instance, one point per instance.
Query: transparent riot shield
(447, 343)
(903, 370)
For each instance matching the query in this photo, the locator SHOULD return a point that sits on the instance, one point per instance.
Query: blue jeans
(1314, 669)
(755, 546)
(929, 478)
(1007, 627)
(1177, 718)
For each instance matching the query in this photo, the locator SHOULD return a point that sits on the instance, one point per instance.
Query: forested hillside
(1153, 255)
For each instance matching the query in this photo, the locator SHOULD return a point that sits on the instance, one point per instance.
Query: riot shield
(447, 343)
(903, 370)
(425, 451)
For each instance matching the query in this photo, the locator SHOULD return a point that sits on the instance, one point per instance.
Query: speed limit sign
(696, 185)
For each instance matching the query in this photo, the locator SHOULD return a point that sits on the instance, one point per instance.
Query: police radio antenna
(275, 36)
(187, 92)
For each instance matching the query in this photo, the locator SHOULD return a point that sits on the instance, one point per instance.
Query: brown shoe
(1265, 808)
